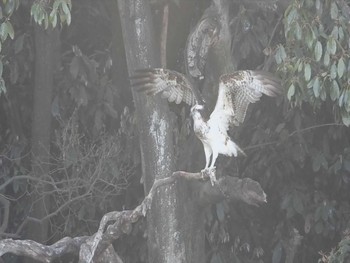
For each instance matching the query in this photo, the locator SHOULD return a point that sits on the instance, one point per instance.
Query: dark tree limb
(230, 188)
(98, 247)
(42, 253)
(233, 189)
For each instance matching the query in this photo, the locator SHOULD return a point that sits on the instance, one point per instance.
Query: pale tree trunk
(175, 227)
(45, 47)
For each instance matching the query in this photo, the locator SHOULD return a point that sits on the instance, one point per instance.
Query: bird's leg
(208, 152)
(212, 168)
(212, 175)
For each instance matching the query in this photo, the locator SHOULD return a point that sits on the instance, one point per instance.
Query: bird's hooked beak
(196, 109)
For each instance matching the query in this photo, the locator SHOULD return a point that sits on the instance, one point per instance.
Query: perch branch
(98, 248)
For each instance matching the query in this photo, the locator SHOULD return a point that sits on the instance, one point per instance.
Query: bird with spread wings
(235, 92)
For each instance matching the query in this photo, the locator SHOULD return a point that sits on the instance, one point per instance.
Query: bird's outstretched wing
(236, 91)
(170, 84)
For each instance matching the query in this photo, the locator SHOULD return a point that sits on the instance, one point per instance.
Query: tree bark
(175, 227)
(45, 43)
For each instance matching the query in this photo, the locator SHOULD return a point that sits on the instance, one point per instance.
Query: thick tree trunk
(45, 46)
(175, 229)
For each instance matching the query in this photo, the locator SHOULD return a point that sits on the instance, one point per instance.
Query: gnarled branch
(98, 248)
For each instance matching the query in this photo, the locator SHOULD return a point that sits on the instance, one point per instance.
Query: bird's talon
(210, 172)
(212, 175)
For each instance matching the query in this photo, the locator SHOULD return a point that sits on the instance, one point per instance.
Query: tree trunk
(45, 46)
(175, 227)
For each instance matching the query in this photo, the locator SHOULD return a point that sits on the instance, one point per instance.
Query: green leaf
(68, 19)
(280, 54)
(298, 31)
(335, 92)
(307, 72)
(291, 91)
(334, 11)
(331, 46)
(65, 8)
(326, 59)
(46, 20)
(316, 87)
(341, 99)
(334, 71)
(341, 67)
(347, 100)
(53, 17)
(318, 51)
(10, 30)
(9, 7)
(335, 32)
(300, 65)
(310, 38)
(3, 31)
(291, 16)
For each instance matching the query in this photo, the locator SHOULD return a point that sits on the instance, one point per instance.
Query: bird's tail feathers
(235, 149)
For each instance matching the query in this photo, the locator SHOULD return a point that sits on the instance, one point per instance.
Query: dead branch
(233, 189)
(98, 247)
(42, 253)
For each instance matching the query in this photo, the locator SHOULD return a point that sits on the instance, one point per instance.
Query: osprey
(236, 91)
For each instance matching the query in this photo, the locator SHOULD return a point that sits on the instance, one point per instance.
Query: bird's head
(196, 111)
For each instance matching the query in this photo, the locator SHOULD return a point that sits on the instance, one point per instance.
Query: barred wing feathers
(236, 91)
(170, 84)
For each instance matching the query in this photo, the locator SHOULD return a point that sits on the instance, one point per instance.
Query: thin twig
(292, 134)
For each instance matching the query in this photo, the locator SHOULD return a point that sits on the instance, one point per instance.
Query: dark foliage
(298, 145)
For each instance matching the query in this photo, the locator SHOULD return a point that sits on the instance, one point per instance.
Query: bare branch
(41, 252)
(98, 246)
(295, 132)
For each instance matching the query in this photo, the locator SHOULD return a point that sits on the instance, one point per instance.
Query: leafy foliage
(45, 14)
(298, 147)
(93, 148)
(315, 57)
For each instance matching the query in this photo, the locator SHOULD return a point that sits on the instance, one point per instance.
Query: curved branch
(98, 247)
(41, 252)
